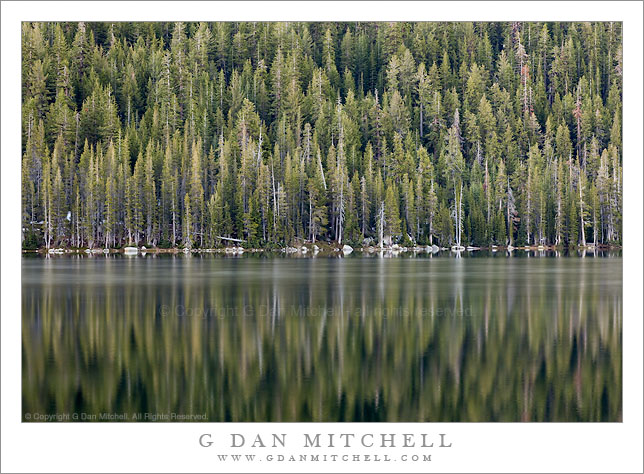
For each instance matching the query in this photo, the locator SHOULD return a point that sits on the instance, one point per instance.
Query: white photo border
(174, 447)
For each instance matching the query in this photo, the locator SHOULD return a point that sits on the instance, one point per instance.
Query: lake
(429, 338)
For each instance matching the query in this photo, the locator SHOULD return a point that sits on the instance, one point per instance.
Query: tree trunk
(581, 215)
(381, 226)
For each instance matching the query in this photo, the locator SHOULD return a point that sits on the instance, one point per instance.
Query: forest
(178, 134)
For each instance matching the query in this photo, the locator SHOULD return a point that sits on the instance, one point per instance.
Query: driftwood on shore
(229, 239)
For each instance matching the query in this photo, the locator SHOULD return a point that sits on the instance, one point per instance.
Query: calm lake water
(489, 338)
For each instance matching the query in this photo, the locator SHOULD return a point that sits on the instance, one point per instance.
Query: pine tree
(392, 213)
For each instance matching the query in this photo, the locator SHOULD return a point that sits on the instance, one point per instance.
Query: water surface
(490, 338)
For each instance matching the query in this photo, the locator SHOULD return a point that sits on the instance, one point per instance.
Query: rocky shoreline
(315, 249)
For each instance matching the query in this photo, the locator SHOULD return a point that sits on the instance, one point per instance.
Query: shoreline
(317, 249)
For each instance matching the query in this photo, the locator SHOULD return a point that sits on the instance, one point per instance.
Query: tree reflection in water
(356, 339)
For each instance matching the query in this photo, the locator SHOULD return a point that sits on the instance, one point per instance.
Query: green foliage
(31, 241)
(178, 134)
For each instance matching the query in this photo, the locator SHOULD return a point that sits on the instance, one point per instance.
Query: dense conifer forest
(178, 134)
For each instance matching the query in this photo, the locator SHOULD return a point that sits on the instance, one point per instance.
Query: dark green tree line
(450, 133)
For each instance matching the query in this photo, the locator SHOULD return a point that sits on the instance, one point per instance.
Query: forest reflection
(355, 339)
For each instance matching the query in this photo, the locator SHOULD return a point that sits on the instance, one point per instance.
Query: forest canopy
(177, 134)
